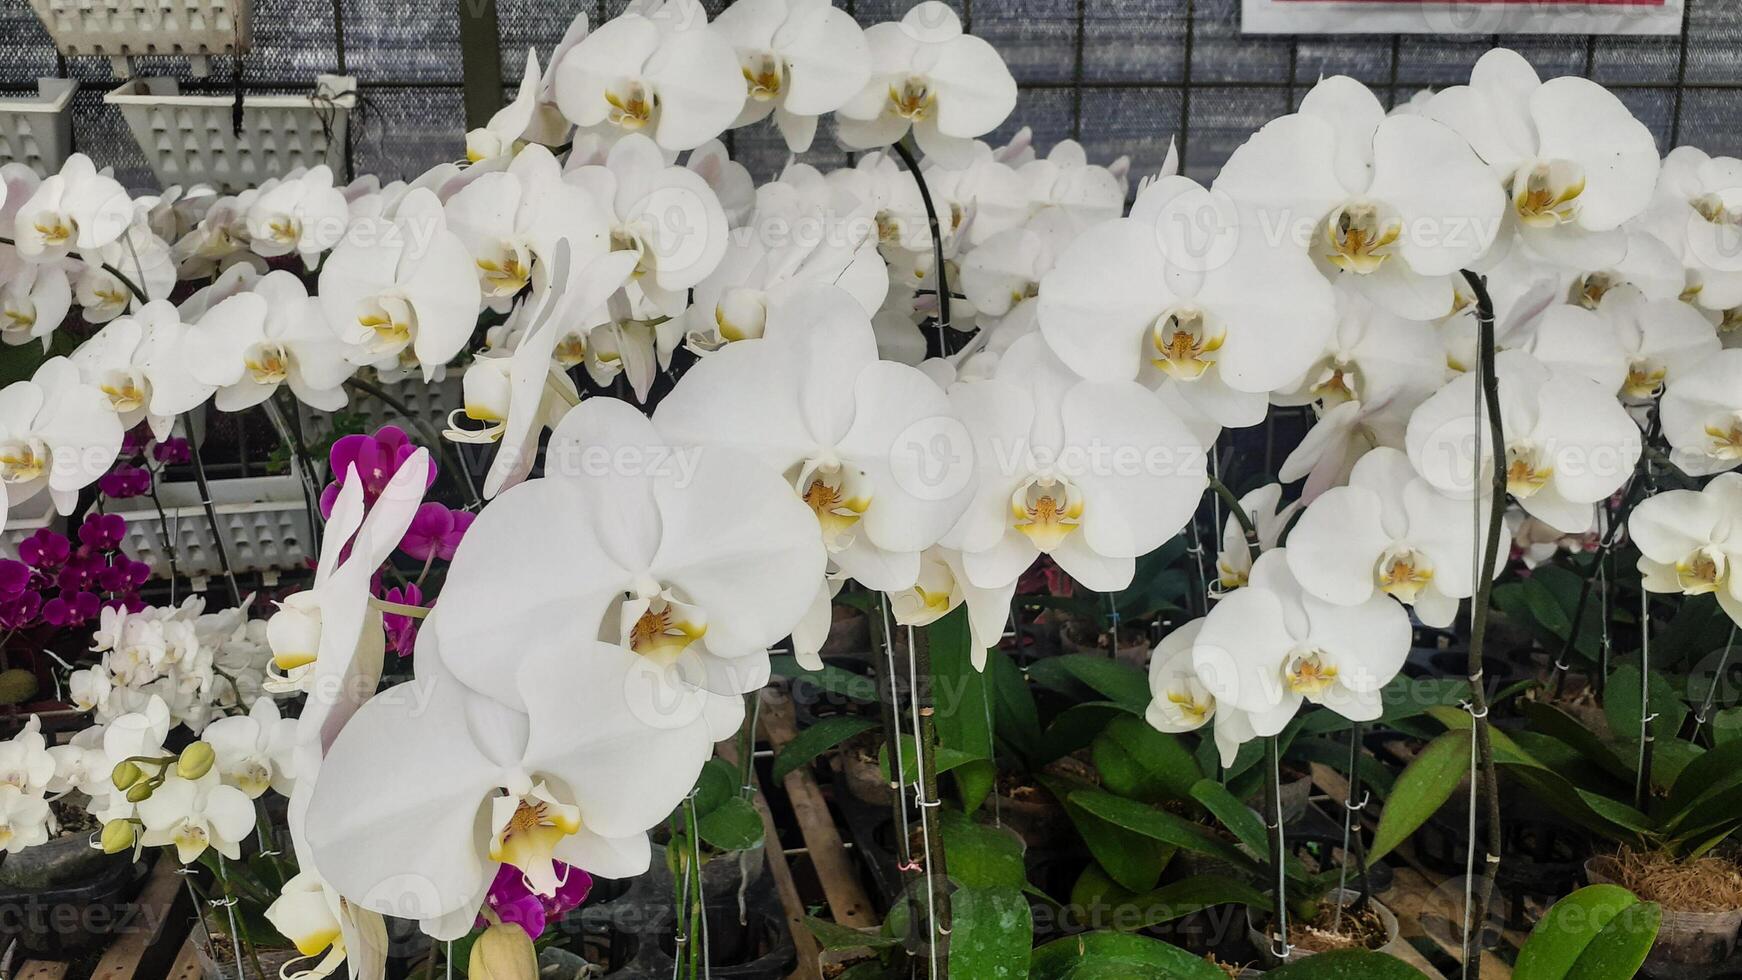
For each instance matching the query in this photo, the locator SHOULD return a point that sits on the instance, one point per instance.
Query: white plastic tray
(37, 131)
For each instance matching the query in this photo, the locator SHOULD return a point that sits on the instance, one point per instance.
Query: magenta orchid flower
(377, 457)
(512, 901)
(435, 532)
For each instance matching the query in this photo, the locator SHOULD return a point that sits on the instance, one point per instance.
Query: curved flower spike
(1388, 531)
(947, 86)
(697, 559)
(1396, 205)
(1690, 542)
(1266, 648)
(1569, 443)
(432, 786)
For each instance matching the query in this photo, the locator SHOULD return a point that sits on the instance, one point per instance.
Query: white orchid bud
(294, 632)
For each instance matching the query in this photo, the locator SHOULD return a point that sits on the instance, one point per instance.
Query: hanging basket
(192, 139)
(37, 131)
(121, 30)
(264, 520)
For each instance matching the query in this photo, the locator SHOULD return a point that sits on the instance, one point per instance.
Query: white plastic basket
(191, 139)
(429, 402)
(37, 131)
(264, 520)
(124, 29)
(26, 519)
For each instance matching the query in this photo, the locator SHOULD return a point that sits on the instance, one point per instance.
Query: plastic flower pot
(63, 898)
(37, 130)
(121, 30)
(191, 139)
(1256, 932)
(1687, 942)
(767, 952)
(264, 522)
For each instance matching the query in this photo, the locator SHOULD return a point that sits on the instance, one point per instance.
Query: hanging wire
(1477, 455)
(900, 781)
(925, 808)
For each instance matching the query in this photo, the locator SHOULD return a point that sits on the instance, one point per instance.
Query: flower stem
(1353, 843)
(424, 429)
(1273, 822)
(937, 242)
(205, 489)
(1489, 782)
(1239, 512)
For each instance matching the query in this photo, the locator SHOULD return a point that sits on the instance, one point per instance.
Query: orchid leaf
(819, 738)
(1424, 786)
(991, 931)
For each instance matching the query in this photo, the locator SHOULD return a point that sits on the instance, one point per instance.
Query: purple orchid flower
(377, 457)
(125, 480)
(513, 902)
(402, 630)
(435, 532)
(103, 532)
(45, 550)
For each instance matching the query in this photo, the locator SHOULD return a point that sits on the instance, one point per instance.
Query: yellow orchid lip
(526, 836)
(1726, 442)
(1183, 343)
(1526, 471)
(631, 105)
(1047, 510)
(293, 659)
(1360, 235)
(838, 494)
(914, 100)
(1309, 674)
(1706, 570)
(1189, 706)
(1547, 194)
(764, 75)
(1403, 574)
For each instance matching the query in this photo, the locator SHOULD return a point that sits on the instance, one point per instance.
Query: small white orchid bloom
(194, 814)
(661, 71)
(1690, 542)
(1181, 703)
(35, 298)
(800, 59)
(77, 209)
(1092, 473)
(24, 759)
(24, 819)
(404, 282)
(125, 358)
(274, 335)
(432, 786)
(1569, 443)
(81, 765)
(1065, 181)
(1270, 516)
(304, 214)
(1629, 343)
(1394, 205)
(56, 432)
(1389, 531)
(254, 750)
(315, 918)
(1267, 647)
(1165, 297)
(666, 216)
(699, 598)
(497, 137)
(1695, 211)
(1571, 157)
(928, 76)
(1702, 415)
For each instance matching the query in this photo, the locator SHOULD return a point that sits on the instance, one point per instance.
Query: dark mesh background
(1115, 74)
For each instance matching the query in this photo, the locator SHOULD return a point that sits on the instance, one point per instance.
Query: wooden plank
(42, 970)
(158, 924)
(187, 964)
(809, 952)
(1424, 909)
(848, 903)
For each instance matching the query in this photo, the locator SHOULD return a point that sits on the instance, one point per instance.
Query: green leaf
(1620, 949)
(1120, 683)
(991, 931)
(1567, 929)
(1160, 825)
(1076, 727)
(1134, 861)
(1138, 761)
(1621, 705)
(1550, 720)
(1727, 726)
(979, 856)
(1015, 717)
(735, 825)
(833, 680)
(1189, 896)
(945, 760)
(1109, 955)
(1349, 964)
(832, 935)
(717, 783)
(1421, 790)
(817, 739)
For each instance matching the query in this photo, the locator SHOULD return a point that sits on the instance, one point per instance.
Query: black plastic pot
(766, 952)
(77, 903)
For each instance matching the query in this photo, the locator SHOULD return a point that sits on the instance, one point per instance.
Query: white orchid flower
(1569, 443)
(1065, 180)
(24, 819)
(1629, 344)
(1695, 211)
(1690, 542)
(78, 209)
(404, 282)
(1270, 516)
(666, 216)
(928, 76)
(800, 59)
(508, 125)
(254, 751)
(35, 298)
(1573, 161)
(1092, 473)
(131, 358)
(82, 766)
(1702, 415)
(24, 759)
(303, 214)
(511, 221)
(317, 920)
(1373, 355)
(273, 335)
(56, 433)
(660, 70)
(1389, 531)
(1267, 647)
(101, 294)
(432, 786)
(1179, 702)
(1165, 297)
(700, 599)
(1395, 205)
(194, 814)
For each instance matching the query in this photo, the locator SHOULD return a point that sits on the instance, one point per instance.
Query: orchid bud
(118, 836)
(294, 632)
(139, 792)
(196, 760)
(485, 386)
(741, 313)
(125, 774)
(503, 952)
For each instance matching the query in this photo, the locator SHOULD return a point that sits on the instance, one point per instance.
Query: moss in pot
(1701, 900)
